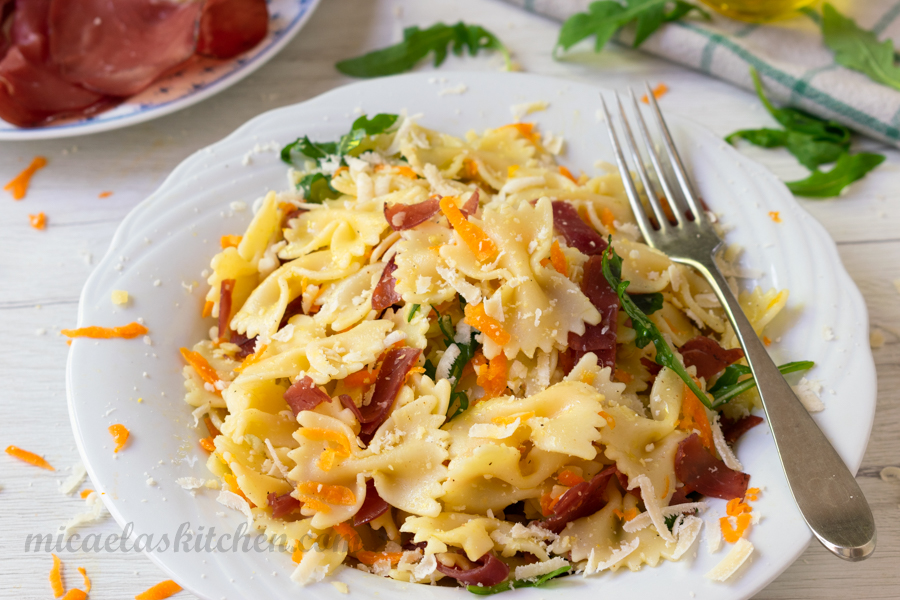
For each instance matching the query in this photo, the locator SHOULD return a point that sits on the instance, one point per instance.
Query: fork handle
(825, 490)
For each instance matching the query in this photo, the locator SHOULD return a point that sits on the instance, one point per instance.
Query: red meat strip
(226, 290)
(282, 505)
(600, 338)
(230, 27)
(471, 205)
(406, 216)
(294, 307)
(578, 234)
(396, 365)
(304, 395)
(119, 47)
(247, 345)
(702, 472)
(490, 571)
(733, 430)
(579, 501)
(384, 294)
(372, 507)
(708, 356)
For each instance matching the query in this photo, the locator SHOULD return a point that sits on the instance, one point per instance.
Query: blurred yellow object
(757, 11)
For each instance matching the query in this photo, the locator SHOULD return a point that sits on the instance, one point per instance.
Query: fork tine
(675, 159)
(633, 198)
(642, 170)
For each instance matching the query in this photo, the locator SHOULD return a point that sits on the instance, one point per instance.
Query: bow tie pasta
(422, 367)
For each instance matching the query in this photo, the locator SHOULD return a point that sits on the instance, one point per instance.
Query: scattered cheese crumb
(341, 587)
(526, 108)
(456, 90)
(535, 570)
(74, 480)
(890, 474)
(828, 334)
(876, 338)
(119, 297)
(808, 391)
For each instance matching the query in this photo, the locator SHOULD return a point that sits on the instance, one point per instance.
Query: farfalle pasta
(424, 367)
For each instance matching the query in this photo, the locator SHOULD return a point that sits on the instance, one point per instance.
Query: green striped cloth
(795, 65)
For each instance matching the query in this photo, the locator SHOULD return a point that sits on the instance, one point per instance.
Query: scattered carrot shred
(29, 457)
(479, 319)
(211, 428)
(610, 420)
(201, 366)
(733, 534)
(370, 558)
(337, 172)
(319, 434)
(120, 435)
(230, 241)
(492, 377)
(160, 591)
(252, 359)
(736, 507)
(297, 554)
(752, 494)
(475, 238)
(695, 418)
(658, 92)
(361, 378)
(627, 515)
(623, 376)
(207, 308)
(608, 219)
(208, 444)
(56, 582)
(568, 478)
(665, 491)
(406, 172)
(18, 185)
(104, 194)
(767, 341)
(347, 532)
(314, 503)
(547, 504)
(558, 259)
(75, 594)
(567, 174)
(775, 216)
(128, 332)
(38, 221)
(85, 493)
(324, 492)
(526, 130)
(471, 168)
(508, 419)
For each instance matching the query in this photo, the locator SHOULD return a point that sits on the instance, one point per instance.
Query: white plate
(199, 79)
(172, 235)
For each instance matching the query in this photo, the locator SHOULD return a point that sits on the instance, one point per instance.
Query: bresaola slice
(304, 394)
(490, 571)
(578, 234)
(226, 290)
(395, 366)
(282, 505)
(702, 472)
(119, 48)
(600, 338)
(580, 501)
(733, 430)
(406, 216)
(384, 294)
(708, 356)
(470, 207)
(230, 27)
(247, 345)
(372, 507)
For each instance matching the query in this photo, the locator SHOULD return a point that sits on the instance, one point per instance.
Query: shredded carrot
(56, 582)
(511, 171)
(623, 376)
(332, 494)
(475, 238)
(471, 168)
(314, 504)
(370, 558)
(587, 377)
(608, 219)
(736, 506)
(767, 341)
(160, 591)
(478, 318)
(297, 554)
(104, 194)
(610, 420)
(29, 457)
(492, 377)
(567, 174)
(775, 216)
(18, 186)
(208, 444)
(627, 515)
(252, 359)
(752, 494)
(130, 331)
(38, 221)
(120, 435)
(361, 378)
(526, 130)
(234, 488)
(473, 366)
(230, 241)
(337, 172)
(207, 309)
(85, 493)
(406, 172)
(201, 366)
(547, 504)
(512, 418)
(75, 594)
(695, 418)
(212, 429)
(666, 489)
(348, 533)
(568, 478)
(730, 534)
(658, 92)
(558, 259)
(318, 434)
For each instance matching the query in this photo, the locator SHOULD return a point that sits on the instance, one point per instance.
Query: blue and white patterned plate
(199, 79)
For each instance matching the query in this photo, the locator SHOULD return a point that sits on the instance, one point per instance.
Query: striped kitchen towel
(795, 65)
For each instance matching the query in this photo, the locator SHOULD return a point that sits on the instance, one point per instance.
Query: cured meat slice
(579, 501)
(407, 216)
(708, 356)
(384, 294)
(490, 570)
(600, 338)
(373, 506)
(396, 365)
(119, 47)
(230, 27)
(304, 395)
(733, 430)
(578, 234)
(702, 472)
(282, 505)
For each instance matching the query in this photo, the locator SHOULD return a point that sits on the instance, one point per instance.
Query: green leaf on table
(518, 583)
(603, 19)
(859, 49)
(825, 184)
(417, 44)
(765, 137)
(644, 328)
(812, 152)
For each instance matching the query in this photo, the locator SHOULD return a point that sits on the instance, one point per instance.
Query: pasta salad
(451, 361)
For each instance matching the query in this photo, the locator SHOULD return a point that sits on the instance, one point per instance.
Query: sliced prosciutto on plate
(230, 27)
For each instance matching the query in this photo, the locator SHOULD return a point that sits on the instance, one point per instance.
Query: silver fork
(825, 491)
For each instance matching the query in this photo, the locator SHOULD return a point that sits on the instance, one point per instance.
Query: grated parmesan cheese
(654, 512)
(74, 480)
(535, 570)
(732, 562)
(645, 520)
(622, 552)
(687, 529)
(728, 457)
(808, 392)
(96, 511)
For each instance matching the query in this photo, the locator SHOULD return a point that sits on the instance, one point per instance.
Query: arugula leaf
(316, 188)
(518, 583)
(603, 19)
(765, 137)
(644, 328)
(351, 143)
(648, 303)
(377, 124)
(418, 44)
(729, 376)
(311, 150)
(467, 351)
(670, 521)
(849, 168)
(412, 312)
(859, 49)
(732, 388)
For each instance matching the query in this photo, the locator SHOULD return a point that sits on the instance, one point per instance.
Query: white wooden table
(42, 272)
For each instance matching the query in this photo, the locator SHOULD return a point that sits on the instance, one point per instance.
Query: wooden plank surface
(42, 272)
